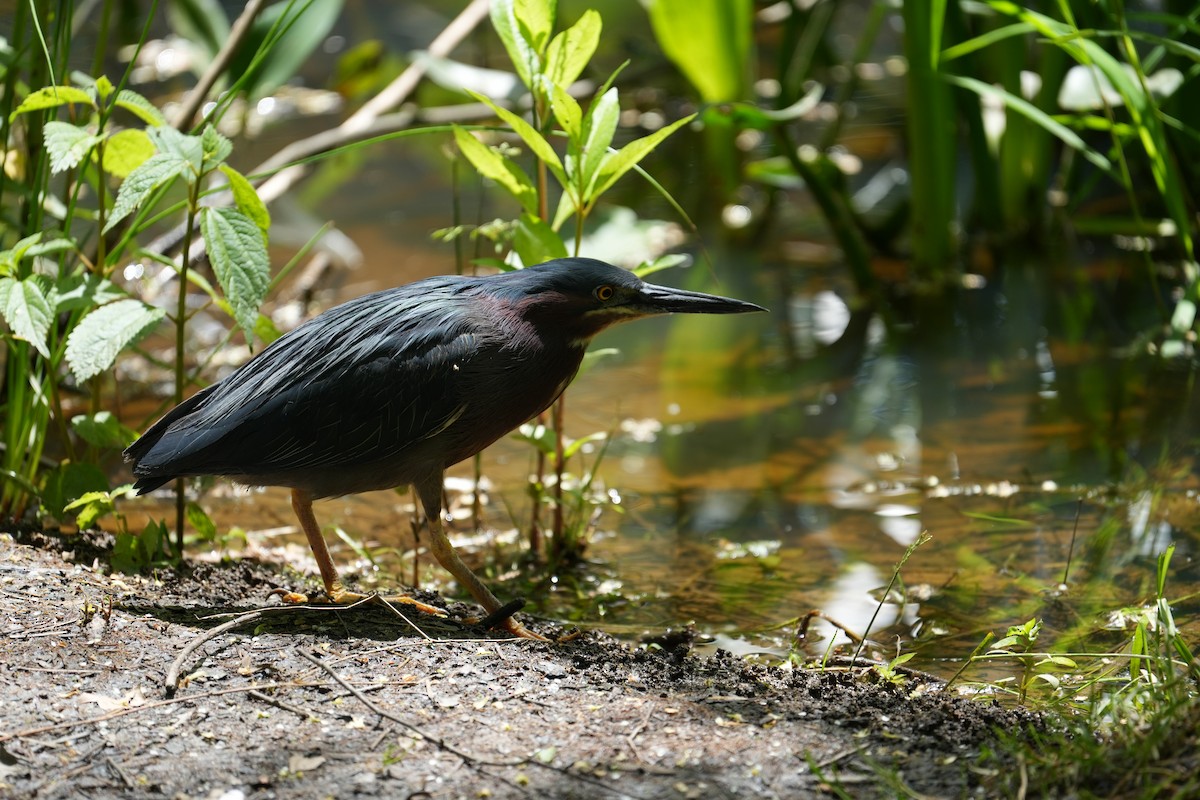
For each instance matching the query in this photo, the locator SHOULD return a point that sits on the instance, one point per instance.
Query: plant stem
(180, 341)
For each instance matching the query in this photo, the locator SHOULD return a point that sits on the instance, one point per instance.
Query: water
(768, 465)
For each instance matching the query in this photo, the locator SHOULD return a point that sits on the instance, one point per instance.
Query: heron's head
(585, 296)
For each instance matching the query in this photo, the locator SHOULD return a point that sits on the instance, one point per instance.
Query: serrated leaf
(495, 167)
(51, 97)
(247, 199)
(159, 169)
(188, 149)
(125, 151)
(571, 50)
(67, 144)
(101, 335)
(238, 252)
(617, 164)
(27, 311)
(86, 290)
(216, 147)
(529, 135)
(140, 107)
(536, 242)
(599, 127)
(103, 430)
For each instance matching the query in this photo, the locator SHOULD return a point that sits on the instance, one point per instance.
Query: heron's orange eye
(603, 293)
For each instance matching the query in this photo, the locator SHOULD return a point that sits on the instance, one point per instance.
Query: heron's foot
(339, 595)
(502, 619)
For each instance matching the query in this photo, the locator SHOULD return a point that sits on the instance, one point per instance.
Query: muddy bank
(303, 703)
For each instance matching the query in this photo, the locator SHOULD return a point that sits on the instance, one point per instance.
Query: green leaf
(94, 344)
(103, 430)
(571, 50)
(648, 268)
(238, 252)
(68, 144)
(84, 290)
(536, 242)
(90, 507)
(599, 127)
(216, 147)
(189, 149)
(709, 40)
(495, 167)
(529, 135)
(247, 199)
(104, 87)
(51, 97)
(1039, 117)
(281, 39)
(201, 522)
(159, 169)
(568, 113)
(141, 108)
(617, 164)
(125, 151)
(24, 306)
(536, 18)
(68, 482)
(516, 36)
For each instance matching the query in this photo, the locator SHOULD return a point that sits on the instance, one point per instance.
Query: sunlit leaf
(238, 252)
(599, 127)
(25, 308)
(515, 37)
(495, 167)
(95, 342)
(141, 108)
(247, 199)
(104, 87)
(709, 40)
(216, 147)
(69, 481)
(125, 151)
(568, 113)
(169, 141)
(571, 50)
(67, 144)
(51, 97)
(159, 169)
(529, 135)
(661, 263)
(617, 164)
(84, 290)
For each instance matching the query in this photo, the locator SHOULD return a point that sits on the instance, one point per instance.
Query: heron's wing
(357, 384)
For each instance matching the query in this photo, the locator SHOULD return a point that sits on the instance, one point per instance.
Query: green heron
(392, 388)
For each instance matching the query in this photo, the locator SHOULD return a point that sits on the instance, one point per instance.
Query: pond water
(773, 464)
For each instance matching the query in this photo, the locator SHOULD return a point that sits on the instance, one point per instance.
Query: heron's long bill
(680, 301)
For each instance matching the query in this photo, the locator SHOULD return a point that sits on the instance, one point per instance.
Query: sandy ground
(307, 703)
